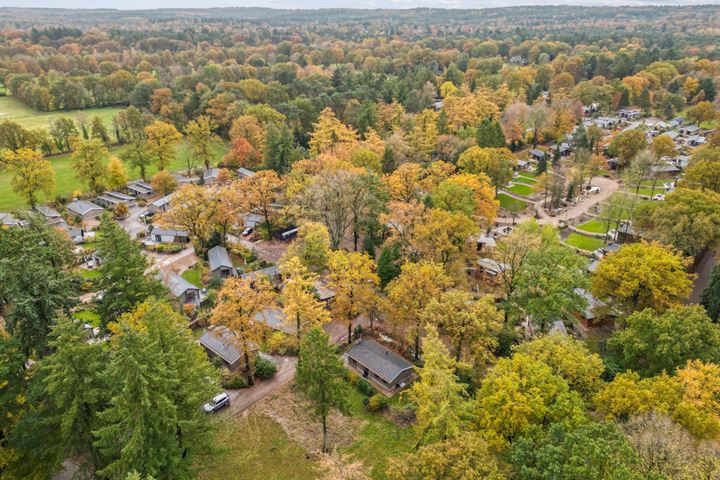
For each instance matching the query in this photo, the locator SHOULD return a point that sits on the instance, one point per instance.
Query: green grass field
(254, 448)
(506, 201)
(521, 189)
(582, 242)
(525, 180)
(193, 275)
(15, 110)
(67, 183)
(594, 226)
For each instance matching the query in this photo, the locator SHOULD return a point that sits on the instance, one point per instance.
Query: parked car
(247, 231)
(218, 402)
(593, 189)
(659, 197)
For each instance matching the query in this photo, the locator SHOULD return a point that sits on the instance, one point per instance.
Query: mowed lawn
(67, 183)
(594, 226)
(507, 202)
(521, 189)
(589, 244)
(15, 110)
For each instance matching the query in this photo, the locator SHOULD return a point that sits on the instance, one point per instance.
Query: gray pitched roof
(592, 303)
(384, 363)
(160, 202)
(535, 152)
(218, 257)
(179, 285)
(169, 232)
(323, 291)
(81, 207)
(265, 272)
(275, 319)
(48, 212)
(220, 342)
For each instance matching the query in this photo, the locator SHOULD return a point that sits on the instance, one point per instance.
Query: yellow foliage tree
(30, 173)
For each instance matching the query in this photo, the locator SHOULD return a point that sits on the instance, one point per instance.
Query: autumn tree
(467, 193)
(195, 209)
(520, 394)
(238, 304)
(301, 306)
(29, 172)
(329, 133)
(443, 410)
(353, 279)
(409, 294)
(536, 119)
(496, 163)
(642, 275)
(163, 182)
(88, 161)
(626, 145)
(663, 146)
(568, 358)
(161, 140)
(466, 456)
(199, 133)
(472, 325)
(702, 112)
(321, 376)
(312, 246)
(259, 192)
(652, 343)
(116, 176)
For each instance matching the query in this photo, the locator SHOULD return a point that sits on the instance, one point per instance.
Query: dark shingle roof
(384, 363)
(275, 319)
(265, 272)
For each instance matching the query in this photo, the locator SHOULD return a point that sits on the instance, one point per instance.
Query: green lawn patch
(380, 439)
(521, 189)
(67, 183)
(88, 316)
(15, 110)
(594, 226)
(524, 180)
(583, 243)
(88, 274)
(194, 275)
(506, 201)
(254, 448)
(650, 192)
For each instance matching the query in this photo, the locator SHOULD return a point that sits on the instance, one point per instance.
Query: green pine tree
(388, 266)
(321, 376)
(280, 150)
(710, 298)
(490, 134)
(122, 277)
(74, 386)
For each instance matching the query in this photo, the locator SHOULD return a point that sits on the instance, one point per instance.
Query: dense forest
(514, 211)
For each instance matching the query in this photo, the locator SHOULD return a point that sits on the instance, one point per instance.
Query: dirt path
(607, 188)
(175, 263)
(242, 399)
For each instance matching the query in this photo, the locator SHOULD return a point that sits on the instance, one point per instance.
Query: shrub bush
(365, 387)
(281, 344)
(235, 382)
(264, 367)
(377, 402)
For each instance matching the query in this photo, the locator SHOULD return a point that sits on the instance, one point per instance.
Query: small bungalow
(85, 209)
(271, 273)
(666, 169)
(596, 313)
(220, 263)
(491, 267)
(564, 148)
(219, 342)
(676, 122)
(211, 175)
(384, 368)
(243, 172)
(681, 161)
(166, 235)
(673, 134)
(629, 113)
(139, 189)
(51, 215)
(537, 154)
(522, 165)
(695, 140)
(607, 123)
(688, 130)
(113, 199)
(9, 220)
(182, 179)
(252, 220)
(625, 233)
(323, 293)
(486, 243)
(613, 163)
(161, 204)
(183, 290)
